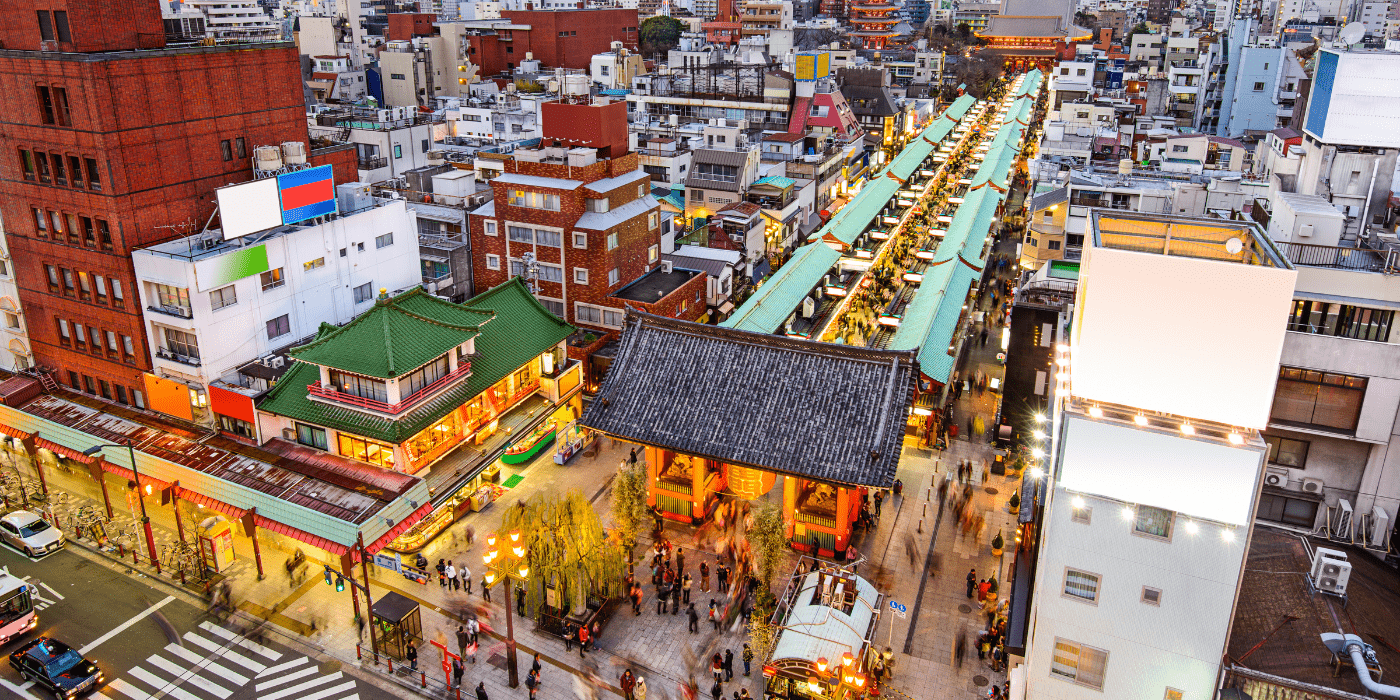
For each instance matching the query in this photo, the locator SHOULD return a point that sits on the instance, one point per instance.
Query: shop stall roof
(815, 631)
(823, 411)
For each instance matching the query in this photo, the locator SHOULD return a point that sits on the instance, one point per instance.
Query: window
(490, 227)
(45, 26)
(89, 234)
(311, 436)
(104, 234)
(398, 150)
(580, 240)
(26, 163)
(1082, 514)
(493, 262)
(1077, 663)
(653, 254)
(60, 25)
(363, 387)
(520, 234)
(105, 388)
(398, 76)
(1287, 452)
(642, 192)
(11, 320)
(548, 238)
(89, 386)
(551, 273)
(364, 292)
(1180, 149)
(128, 347)
(1153, 522)
(613, 277)
(384, 241)
(1082, 585)
(226, 148)
(580, 275)
(94, 179)
(1344, 320)
(64, 335)
(53, 106)
(1297, 512)
(41, 223)
(174, 299)
(240, 147)
(309, 266)
(534, 200)
(100, 283)
(598, 315)
(60, 176)
(75, 169)
(652, 220)
(111, 342)
(612, 241)
(424, 146)
(555, 306)
(121, 395)
(279, 327)
(234, 426)
(79, 335)
(1258, 87)
(1317, 399)
(1153, 596)
(68, 287)
(697, 196)
(415, 381)
(45, 175)
(1080, 71)
(366, 450)
(117, 299)
(597, 206)
(181, 343)
(272, 279)
(84, 286)
(73, 380)
(1054, 245)
(223, 297)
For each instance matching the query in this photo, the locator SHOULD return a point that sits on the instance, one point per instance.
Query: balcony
(373, 163)
(1342, 258)
(167, 354)
(176, 311)
(393, 409)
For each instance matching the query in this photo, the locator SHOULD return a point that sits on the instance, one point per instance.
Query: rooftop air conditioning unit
(1277, 478)
(1313, 486)
(266, 360)
(289, 434)
(1330, 571)
(666, 266)
(1380, 527)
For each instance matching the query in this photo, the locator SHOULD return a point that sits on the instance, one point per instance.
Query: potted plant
(997, 544)
(1015, 501)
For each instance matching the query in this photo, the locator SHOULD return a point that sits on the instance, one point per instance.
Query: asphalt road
(153, 645)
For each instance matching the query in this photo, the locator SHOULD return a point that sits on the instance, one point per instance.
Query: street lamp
(145, 519)
(513, 566)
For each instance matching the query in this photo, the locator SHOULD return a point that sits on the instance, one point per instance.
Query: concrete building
(616, 68)
(1071, 81)
(388, 142)
(1136, 566)
(199, 294)
(236, 20)
(15, 355)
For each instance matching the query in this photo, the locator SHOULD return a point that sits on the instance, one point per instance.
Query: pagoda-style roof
(822, 411)
(398, 335)
(521, 330)
(1032, 27)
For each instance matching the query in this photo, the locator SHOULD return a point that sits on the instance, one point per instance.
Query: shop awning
(319, 542)
(68, 452)
(400, 528)
(14, 432)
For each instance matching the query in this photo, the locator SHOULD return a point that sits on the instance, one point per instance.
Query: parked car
(31, 534)
(58, 667)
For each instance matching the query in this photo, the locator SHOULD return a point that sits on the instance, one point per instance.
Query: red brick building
(113, 142)
(581, 205)
(556, 38)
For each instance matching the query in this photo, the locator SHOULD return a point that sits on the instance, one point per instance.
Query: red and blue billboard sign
(307, 194)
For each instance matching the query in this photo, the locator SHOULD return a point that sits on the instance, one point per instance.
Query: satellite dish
(1234, 246)
(1352, 33)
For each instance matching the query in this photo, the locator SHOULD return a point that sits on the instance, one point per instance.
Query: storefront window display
(376, 453)
(444, 432)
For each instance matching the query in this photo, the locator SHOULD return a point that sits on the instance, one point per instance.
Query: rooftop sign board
(259, 205)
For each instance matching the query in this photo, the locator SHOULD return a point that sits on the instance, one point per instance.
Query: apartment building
(236, 20)
(15, 355)
(1136, 567)
(388, 142)
(574, 216)
(94, 173)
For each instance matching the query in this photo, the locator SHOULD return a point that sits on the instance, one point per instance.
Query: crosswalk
(214, 663)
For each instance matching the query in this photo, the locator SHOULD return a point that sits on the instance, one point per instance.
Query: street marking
(47, 588)
(122, 627)
(296, 689)
(100, 695)
(160, 685)
(206, 663)
(284, 666)
(17, 690)
(329, 691)
(128, 690)
(185, 675)
(226, 653)
(308, 671)
(250, 646)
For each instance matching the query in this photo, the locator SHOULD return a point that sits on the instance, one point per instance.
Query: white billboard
(249, 207)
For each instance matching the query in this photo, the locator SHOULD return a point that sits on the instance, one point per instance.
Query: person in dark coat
(481, 691)
(412, 655)
(694, 618)
(971, 582)
(457, 671)
(728, 665)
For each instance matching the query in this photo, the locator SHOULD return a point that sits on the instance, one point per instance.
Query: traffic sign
(899, 608)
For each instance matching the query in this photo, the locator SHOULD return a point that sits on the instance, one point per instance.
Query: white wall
(234, 335)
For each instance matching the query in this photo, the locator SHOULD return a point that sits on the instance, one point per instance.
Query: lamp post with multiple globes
(511, 563)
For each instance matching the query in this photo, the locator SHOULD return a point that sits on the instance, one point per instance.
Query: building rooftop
(212, 243)
(1277, 624)
(654, 285)
(1211, 239)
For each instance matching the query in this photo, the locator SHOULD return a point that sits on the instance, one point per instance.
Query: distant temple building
(1031, 33)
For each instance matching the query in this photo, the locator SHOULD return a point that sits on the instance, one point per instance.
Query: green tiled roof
(776, 181)
(766, 310)
(400, 334)
(520, 330)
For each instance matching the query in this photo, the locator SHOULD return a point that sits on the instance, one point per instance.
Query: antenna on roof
(1352, 34)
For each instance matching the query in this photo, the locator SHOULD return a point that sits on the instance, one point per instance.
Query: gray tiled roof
(817, 410)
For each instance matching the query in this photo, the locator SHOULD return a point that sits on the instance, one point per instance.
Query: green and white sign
(215, 272)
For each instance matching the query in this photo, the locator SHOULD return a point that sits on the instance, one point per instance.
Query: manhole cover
(964, 608)
(980, 681)
(991, 491)
(497, 660)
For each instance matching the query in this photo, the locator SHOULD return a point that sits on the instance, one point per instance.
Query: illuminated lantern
(749, 484)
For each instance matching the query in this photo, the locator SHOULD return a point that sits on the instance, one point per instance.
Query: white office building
(1154, 459)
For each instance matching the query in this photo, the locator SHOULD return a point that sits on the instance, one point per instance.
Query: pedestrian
(717, 667)
(463, 636)
(704, 577)
(481, 691)
(675, 598)
(971, 582)
(748, 658)
(520, 601)
(722, 573)
(442, 576)
(694, 618)
(879, 498)
(984, 337)
(728, 665)
(888, 656)
(450, 572)
(997, 654)
(471, 650)
(583, 637)
(663, 591)
(568, 637)
(640, 692)
(685, 587)
(457, 671)
(486, 590)
(474, 627)
(627, 683)
(533, 684)
(714, 614)
(716, 692)
(535, 666)
(412, 655)
(465, 575)
(632, 457)
(636, 600)
(680, 560)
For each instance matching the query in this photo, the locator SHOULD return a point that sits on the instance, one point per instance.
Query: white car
(29, 533)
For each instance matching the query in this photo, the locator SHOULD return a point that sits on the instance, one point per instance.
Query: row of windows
(111, 392)
(1344, 320)
(598, 315)
(86, 287)
(100, 342)
(1324, 400)
(59, 169)
(230, 149)
(76, 229)
(553, 239)
(349, 446)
